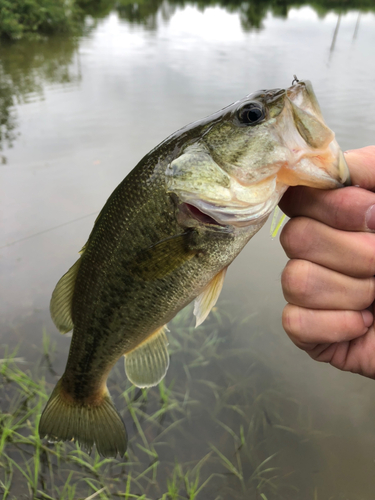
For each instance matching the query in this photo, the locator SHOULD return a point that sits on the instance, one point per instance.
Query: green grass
(215, 428)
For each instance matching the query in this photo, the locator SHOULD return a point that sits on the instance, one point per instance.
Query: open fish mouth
(200, 216)
(235, 175)
(238, 215)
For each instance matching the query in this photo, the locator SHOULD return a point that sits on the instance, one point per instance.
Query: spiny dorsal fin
(62, 297)
(147, 364)
(208, 298)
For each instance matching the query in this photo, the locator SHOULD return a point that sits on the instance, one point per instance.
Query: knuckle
(296, 281)
(368, 295)
(291, 322)
(351, 323)
(340, 206)
(287, 280)
(294, 237)
(287, 235)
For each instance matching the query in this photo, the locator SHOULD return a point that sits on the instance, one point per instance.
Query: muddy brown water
(77, 115)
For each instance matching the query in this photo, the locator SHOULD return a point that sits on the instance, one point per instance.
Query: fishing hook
(295, 79)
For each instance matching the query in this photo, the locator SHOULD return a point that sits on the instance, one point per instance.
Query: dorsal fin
(147, 364)
(62, 297)
(208, 298)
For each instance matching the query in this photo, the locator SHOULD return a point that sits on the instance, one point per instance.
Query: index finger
(351, 208)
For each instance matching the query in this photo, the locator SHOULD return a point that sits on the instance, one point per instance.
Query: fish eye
(251, 114)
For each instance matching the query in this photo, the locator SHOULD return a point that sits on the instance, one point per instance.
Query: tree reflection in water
(27, 66)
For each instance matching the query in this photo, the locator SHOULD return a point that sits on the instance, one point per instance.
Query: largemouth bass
(166, 236)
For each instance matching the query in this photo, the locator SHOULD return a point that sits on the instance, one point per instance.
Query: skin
(329, 282)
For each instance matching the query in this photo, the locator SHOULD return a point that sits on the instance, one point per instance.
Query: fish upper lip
(274, 94)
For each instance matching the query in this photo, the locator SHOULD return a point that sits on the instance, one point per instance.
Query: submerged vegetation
(217, 428)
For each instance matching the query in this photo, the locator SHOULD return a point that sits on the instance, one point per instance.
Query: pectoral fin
(147, 364)
(62, 297)
(164, 257)
(208, 298)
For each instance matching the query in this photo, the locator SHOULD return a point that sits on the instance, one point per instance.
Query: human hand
(329, 282)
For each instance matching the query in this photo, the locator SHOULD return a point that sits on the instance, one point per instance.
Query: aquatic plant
(216, 428)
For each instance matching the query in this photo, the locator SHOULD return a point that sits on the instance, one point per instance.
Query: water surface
(77, 115)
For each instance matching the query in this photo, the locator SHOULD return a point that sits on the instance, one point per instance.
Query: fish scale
(166, 236)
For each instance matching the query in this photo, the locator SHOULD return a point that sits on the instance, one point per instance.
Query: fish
(166, 236)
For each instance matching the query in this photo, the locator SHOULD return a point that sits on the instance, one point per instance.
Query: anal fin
(208, 298)
(147, 364)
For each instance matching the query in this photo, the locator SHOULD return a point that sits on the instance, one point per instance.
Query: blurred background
(86, 90)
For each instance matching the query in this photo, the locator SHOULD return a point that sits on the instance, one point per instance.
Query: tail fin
(65, 420)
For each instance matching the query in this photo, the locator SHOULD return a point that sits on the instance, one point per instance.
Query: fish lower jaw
(323, 168)
(238, 215)
(299, 175)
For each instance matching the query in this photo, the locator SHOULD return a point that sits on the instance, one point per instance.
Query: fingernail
(370, 218)
(367, 317)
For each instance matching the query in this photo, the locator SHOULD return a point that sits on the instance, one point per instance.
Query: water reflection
(26, 68)
(145, 12)
(251, 13)
(87, 111)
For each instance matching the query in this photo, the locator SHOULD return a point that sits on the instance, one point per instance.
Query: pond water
(76, 117)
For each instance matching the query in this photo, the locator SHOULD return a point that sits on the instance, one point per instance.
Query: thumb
(361, 163)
